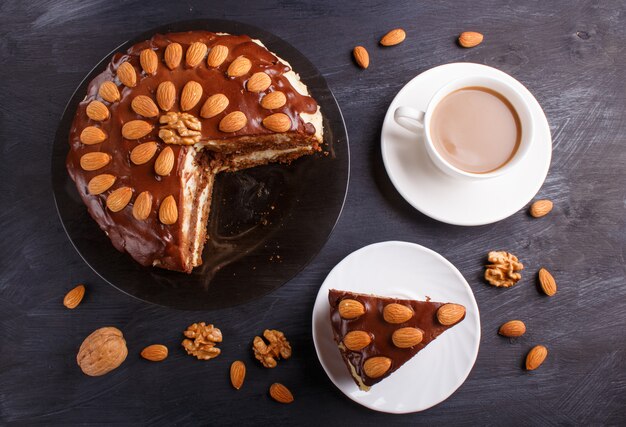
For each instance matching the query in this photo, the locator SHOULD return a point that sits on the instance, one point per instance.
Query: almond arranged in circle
(195, 53)
(109, 92)
(407, 337)
(397, 313)
(149, 61)
(136, 129)
(258, 82)
(356, 340)
(173, 55)
(273, 100)
(277, 122)
(233, 122)
(142, 153)
(191, 94)
(165, 162)
(168, 211)
(97, 111)
(144, 106)
(351, 309)
(449, 314)
(100, 183)
(92, 135)
(214, 105)
(376, 367)
(240, 66)
(142, 206)
(166, 95)
(94, 161)
(118, 199)
(127, 74)
(217, 55)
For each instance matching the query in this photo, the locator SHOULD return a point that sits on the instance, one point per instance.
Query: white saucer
(410, 271)
(449, 199)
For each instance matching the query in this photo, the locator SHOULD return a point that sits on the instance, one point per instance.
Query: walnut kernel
(180, 128)
(278, 347)
(503, 270)
(201, 340)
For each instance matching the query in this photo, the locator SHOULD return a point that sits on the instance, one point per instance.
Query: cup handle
(409, 118)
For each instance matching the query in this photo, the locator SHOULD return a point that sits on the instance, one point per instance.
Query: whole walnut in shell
(102, 351)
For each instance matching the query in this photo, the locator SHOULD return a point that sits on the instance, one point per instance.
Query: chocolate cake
(376, 335)
(164, 118)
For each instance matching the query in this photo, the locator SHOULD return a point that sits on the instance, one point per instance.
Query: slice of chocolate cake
(167, 115)
(376, 335)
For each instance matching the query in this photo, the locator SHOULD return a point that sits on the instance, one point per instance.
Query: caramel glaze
(151, 242)
(424, 318)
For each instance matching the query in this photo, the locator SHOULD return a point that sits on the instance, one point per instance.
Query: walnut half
(201, 340)
(503, 270)
(180, 128)
(269, 354)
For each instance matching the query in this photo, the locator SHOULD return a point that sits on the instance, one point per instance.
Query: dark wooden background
(570, 54)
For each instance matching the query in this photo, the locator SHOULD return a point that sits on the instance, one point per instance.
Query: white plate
(449, 199)
(410, 271)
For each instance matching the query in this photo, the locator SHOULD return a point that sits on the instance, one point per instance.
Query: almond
(168, 211)
(393, 37)
(144, 106)
(233, 122)
(361, 56)
(97, 111)
(240, 66)
(356, 340)
(217, 55)
(470, 39)
(127, 75)
(173, 55)
(166, 95)
(191, 94)
(142, 153)
(214, 105)
(280, 393)
(149, 61)
(449, 314)
(155, 352)
(407, 337)
(237, 373)
(376, 367)
(165, 162)
(535, 357)
(541, 208)
(74, 297)
(258, 82)
(277, 122)
(100, 183)
(92, 135)
(195, 53)
(118, 199)
(512, 329)
(397, 313)
(273, 100)
(142, 206)
(109, 92)
(136, 129)
(547, 282)
(94, 161)
(351, 309)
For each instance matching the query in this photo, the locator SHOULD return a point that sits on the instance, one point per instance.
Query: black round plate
(266, 223)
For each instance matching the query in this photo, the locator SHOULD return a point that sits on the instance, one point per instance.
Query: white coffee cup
(419, 122)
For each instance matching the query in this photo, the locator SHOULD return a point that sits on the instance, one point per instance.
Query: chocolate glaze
(149, 241)
(424, 318)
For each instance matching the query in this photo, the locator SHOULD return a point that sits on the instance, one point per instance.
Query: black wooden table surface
(571, 55)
